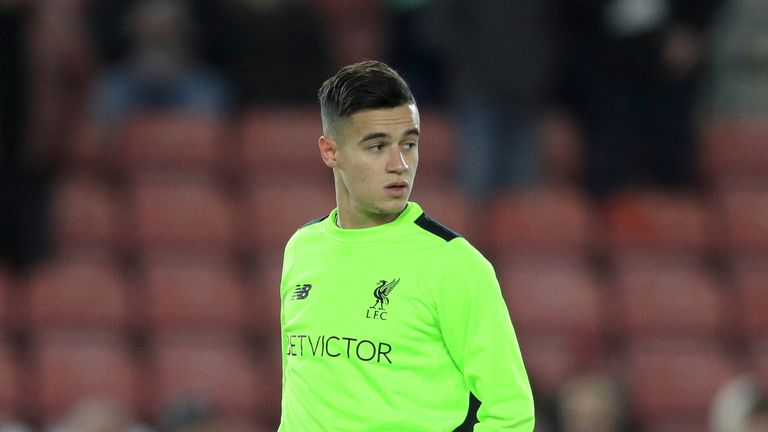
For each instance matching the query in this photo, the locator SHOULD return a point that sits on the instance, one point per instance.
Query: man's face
(375, 159)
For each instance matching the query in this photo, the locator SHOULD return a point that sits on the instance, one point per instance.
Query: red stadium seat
(666, 299)
(552, 296)
(445, 204)
(273, 211)
(214, 368)
(758, 359)
(7, 307)
(750, 289)
(650, 222)
(553, 221)
(281, 144)
(72, 366)
(745, 219)
(437, 149)
(736, 150)
(675, 382)
(697, 424)
(550, 360)
(264, 298)
(10, 390)
(77, 292)
(85, 211)
(171, 141)
(180, 213)
(182, 292)
(269, 370)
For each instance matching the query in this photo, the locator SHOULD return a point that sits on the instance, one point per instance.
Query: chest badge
(381, 293)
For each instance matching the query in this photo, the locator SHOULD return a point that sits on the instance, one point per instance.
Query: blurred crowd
(601, 95)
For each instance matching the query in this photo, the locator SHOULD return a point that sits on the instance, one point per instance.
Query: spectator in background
(276, 51)
(189, 415)
(500, 56)
(411, 49)
(739, 87)
(757, 418)
(98, 415)
(592, 402)
(632, 78)
(160, 70)
(24, 176)
(739, 406)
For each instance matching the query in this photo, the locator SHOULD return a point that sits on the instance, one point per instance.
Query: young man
(390, 319)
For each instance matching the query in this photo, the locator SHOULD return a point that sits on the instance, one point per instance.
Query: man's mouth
(397, 185)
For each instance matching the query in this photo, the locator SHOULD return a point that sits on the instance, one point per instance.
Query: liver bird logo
(382, 291)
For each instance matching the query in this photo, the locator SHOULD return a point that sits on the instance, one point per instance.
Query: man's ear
(328, 150)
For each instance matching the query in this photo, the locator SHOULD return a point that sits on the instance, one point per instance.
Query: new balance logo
(301, 292)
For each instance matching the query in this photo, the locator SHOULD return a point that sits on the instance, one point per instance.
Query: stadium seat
(666, 299)
(444, 203)
(745, 219)
(735, 150)
(672, 382)
(192, 292)
(697, 424)
(552, 296)
(750, 292)
(264, 298)
(72, 366)
(281, 144)
(758, 360)
(214, 368)
(437, 149)
(77, 292)
(272, 211)
(652, 222)
(269, 369)
(179, 213)
(550, 360)
(549, 221)
(10, 390)
(561, 144)
(172, 141)
(7, 306)
(84, 215)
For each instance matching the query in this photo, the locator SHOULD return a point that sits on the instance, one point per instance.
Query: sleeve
(287, 263)
(479, 336)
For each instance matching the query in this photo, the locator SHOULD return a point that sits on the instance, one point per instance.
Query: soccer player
(388, 318)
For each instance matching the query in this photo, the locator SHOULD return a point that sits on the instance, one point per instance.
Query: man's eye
(409, 145)
(377, 147)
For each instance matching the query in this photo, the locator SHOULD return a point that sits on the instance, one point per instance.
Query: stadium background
(152, 278)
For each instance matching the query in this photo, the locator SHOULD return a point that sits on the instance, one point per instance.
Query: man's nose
(396, 163)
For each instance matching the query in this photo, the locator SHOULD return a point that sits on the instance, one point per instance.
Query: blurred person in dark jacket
(501, 68)
(24, 176)
(161, 68)
(632, 77)
(275, 51)
(592, 402)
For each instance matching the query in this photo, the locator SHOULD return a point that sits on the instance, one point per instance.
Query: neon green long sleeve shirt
(389, 328)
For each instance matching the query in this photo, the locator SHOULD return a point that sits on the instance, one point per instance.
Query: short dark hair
(360, 86)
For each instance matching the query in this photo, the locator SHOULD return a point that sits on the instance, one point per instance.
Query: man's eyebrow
(414, 131)
(374, 135)
(377, 135)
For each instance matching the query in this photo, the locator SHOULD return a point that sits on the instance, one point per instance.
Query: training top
(389, 328)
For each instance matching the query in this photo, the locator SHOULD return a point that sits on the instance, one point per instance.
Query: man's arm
(480, 338)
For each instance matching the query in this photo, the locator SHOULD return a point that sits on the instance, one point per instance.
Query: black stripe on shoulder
(314, 221)
(436, 227)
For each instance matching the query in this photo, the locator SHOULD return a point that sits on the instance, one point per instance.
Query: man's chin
(393, 207)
